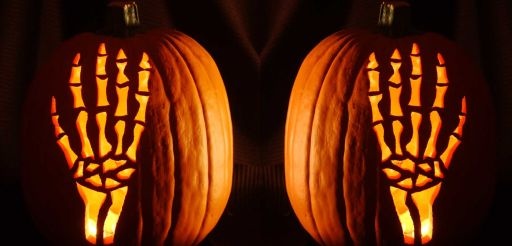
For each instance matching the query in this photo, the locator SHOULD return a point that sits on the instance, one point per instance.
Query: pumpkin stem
(395, 18)
(122, 18)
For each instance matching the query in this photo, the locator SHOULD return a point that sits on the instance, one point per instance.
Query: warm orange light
(386, 152)
(96, 180)
(104, 145)
(435, 121)
(397, 131)
(102, 92)
(122, 103)
(407, 165)
(119, 128)
(413, 146)
(374, 100)
(403, 213)
(422, 180)
(131, 151)
(125, 174)
(422, 191)
(81, 125)
(424, 200)
(93, 201)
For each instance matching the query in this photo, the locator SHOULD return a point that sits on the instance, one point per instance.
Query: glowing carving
(103, 175)
(104, 145)
(401, 168)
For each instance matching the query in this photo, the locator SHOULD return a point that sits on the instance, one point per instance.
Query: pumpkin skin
(182, 166)
(334, 163)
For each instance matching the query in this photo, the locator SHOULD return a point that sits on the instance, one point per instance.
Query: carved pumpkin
(127, 140)
(389, 140)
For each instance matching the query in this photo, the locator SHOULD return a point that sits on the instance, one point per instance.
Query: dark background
(258, 46)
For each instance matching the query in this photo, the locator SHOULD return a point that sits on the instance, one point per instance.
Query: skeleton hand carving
(103, 175)
(409, 172)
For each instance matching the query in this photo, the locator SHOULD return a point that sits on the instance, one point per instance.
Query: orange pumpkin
(389, 140)
(128, 141)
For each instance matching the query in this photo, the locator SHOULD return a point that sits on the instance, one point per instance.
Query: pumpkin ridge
(312, 223)
(158, 59)
(355, 183)
(321, 122)
(165, 203)
(181, 62)
(298, 85)
(188, 51)
(304, 83)
(157, 169)
(212, 71)
(190, 68)
(208, 72)
(377, 213)
(221, 93)
(166, 71)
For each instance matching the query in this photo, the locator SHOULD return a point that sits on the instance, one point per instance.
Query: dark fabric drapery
(258, 46)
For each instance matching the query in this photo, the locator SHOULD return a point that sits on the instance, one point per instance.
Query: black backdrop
(258, 46)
